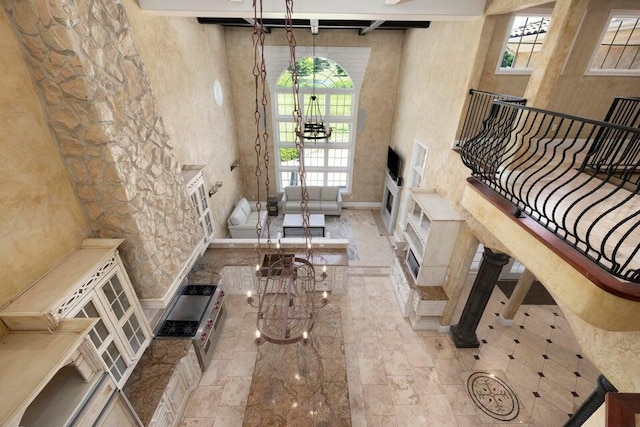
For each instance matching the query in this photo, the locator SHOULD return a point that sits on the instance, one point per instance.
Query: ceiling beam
(373, 26)
(251, 22)
(498, 7)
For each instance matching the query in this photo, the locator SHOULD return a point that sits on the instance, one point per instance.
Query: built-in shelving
(431, 231)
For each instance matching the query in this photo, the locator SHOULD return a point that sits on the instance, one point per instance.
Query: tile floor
(400, 377)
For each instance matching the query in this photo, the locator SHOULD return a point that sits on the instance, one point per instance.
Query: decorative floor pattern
(493, 396)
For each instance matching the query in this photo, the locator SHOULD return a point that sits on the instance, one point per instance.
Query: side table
(272, 206)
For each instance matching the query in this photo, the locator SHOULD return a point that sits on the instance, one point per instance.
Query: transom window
(619, 49)
(522, 46)
(326, 162)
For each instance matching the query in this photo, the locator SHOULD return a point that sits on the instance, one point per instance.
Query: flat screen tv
(393, 164)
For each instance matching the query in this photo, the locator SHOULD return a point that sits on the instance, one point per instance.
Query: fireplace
(390, 199)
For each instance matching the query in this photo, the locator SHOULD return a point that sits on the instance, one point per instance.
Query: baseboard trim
(361, 205)
(163, 301)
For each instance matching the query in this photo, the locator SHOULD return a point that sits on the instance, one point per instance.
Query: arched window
(326, 162)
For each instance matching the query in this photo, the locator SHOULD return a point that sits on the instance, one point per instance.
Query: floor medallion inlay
(493, 396)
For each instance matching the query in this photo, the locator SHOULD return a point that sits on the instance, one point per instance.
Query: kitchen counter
(208, 268)
(151, 376)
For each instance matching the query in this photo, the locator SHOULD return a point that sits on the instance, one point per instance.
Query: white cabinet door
(118, 413)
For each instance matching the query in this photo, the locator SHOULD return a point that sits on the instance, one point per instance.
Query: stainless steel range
(197, 312)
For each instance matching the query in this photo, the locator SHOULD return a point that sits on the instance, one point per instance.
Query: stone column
(464, 333)
(592, 403)
(103, 116)
(515, 301)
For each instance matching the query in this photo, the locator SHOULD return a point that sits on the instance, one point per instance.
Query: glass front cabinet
(194, 179)
(90, 283)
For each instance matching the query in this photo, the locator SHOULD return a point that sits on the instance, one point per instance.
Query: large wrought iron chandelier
(314, 128)
(285, 283)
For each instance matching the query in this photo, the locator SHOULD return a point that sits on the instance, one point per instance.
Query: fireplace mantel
(390, 202)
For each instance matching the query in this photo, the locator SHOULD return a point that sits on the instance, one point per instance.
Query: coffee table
(292, 225)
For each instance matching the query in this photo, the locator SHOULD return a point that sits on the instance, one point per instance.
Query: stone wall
(104, 118)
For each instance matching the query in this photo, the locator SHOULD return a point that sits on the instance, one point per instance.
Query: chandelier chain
(297, 117)
(261, 141)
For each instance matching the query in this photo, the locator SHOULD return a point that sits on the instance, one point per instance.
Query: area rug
(336, 227)
(537, 294)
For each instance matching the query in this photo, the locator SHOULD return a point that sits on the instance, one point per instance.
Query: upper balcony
(577, 178)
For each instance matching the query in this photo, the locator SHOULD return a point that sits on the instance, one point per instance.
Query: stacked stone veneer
(104, 118)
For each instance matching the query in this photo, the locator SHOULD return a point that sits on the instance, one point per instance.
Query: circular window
(217, 93)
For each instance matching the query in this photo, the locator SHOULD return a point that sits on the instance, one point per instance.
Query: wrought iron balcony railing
(572, 175)
(480, 108)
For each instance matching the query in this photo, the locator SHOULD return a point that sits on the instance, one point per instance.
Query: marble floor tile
(459, 399)
(525, 356)
(533, 341)
(410, 415)
(378, 399)
(467, 421)
(242, 364)
(390, 340)
(382, 421)
(438, 410)
(501, 340)
(202, 400)
(440, 347)
(491, 358)
(199, 422)
(403, 391)
(559, 375)
(522, 374)
(449, 370)
(558, 396)
(372, 371)
(546, 414)
(418, 355)
(427, 381)
(229, 416)
(368, 348)
(225, 348)
(236, 391)
(216, 373)
(396, 363)
(563, 357)
(538, 327)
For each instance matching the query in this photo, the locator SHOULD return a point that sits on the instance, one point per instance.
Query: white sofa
(322, 200)
(243, 220)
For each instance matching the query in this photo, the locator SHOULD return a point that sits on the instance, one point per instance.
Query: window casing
(618, 50)
(327, 163)
(523, 42)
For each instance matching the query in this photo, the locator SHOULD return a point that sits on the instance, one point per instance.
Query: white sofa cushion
(313, 192)
(293, 193)
(238, 217)
(329, 193)
(244, 205)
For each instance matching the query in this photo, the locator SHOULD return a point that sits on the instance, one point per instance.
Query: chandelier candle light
(285, 283)
(314, 128)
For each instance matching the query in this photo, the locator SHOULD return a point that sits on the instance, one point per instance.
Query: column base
(463, 341)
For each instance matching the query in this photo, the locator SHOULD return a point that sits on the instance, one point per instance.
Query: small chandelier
(285, 284)
(314, 127)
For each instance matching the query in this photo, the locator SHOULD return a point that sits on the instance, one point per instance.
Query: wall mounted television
(393, 163)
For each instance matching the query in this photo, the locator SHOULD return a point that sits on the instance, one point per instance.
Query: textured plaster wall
(41, 220)
(377, 101)
(576, 93)
(591, 96)
(437, 65)
(183, 60)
